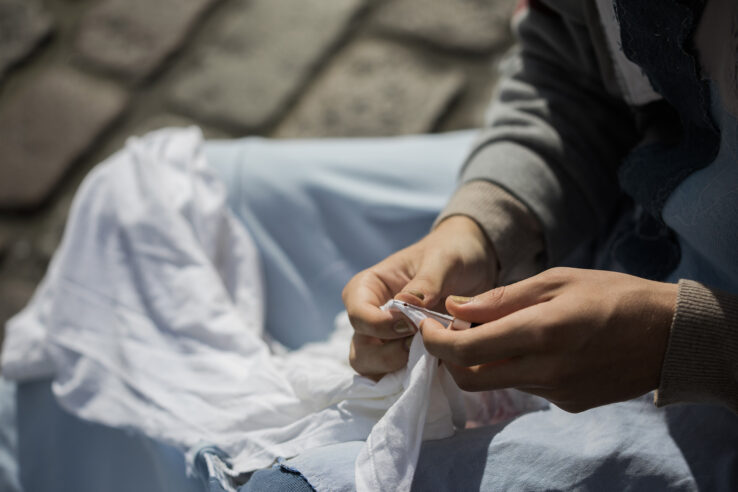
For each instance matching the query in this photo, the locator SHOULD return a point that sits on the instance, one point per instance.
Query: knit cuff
(513, 231)
(701, 361)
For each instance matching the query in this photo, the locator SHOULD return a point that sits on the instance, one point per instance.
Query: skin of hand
(579, 338)
(455, 257)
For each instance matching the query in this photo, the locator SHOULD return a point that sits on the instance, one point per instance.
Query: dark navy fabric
(277, 479)
(657, 36)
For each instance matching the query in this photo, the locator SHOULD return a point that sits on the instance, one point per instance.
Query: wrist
(464, 226)
(664, 298)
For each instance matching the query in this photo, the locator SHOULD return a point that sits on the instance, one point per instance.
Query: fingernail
(407, 342)
(417, 294)
(460, 299)
(403, 328)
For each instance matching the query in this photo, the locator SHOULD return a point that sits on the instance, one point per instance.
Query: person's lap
(625, 446)
(322, 210)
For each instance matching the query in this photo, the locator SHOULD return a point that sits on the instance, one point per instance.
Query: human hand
(455, 257)
(579, 338)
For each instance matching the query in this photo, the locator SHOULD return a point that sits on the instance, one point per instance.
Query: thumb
(493, 304)
(426, 287)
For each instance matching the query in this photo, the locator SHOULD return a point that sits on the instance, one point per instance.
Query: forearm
(554, 141)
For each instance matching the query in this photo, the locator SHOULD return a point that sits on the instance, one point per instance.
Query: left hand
(579, 338)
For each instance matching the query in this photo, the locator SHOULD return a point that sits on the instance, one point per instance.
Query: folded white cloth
(151, 316)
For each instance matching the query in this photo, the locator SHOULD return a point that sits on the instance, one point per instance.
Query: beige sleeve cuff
(701, 361)
(511, 228)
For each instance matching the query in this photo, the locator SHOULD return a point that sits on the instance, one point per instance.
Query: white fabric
(150, 318)
(387, 461)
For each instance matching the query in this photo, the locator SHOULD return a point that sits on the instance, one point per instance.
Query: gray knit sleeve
(701, 361)
(555, 136)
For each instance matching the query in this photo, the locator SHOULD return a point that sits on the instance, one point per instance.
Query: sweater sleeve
(555, 137)
(701, 360)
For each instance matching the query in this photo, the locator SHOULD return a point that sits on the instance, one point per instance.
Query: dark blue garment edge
(657, 36)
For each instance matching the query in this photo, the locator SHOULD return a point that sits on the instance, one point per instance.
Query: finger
(363, 297)
(520, 372)
(497, 303)
(514, 335)
(371, 321)
(372, 357)
(425, 288)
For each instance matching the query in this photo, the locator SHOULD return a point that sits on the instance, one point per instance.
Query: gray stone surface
(259, 58)
(45, 127)
(163, 120)
(131, 38)
(472, 25)
(375, 88)
(235, 66)
(22, 26)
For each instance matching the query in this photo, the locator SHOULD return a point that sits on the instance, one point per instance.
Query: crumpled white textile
(387, 461)
(150, 318)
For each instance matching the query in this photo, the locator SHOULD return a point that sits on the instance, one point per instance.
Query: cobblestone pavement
(79, 76)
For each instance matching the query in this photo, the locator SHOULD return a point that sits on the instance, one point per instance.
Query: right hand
(456, 257)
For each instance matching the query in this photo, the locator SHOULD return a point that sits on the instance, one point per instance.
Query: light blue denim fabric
(625, 446)
(9, 478)
(319, 212)
(60, 452)
(322, 210)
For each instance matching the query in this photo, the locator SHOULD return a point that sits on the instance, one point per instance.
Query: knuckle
(557, 275)
(355, 321)
(466, 381)
(373, 360)
(495, 296)
(361, 325)
(462, 351)
(392, 360)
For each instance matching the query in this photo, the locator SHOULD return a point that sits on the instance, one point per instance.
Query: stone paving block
(45, 127)
(22, 26)
(131, 38)
(375, 88)
(472, 25)
(261, 56)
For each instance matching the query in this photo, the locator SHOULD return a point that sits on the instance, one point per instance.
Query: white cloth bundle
(151, 315)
